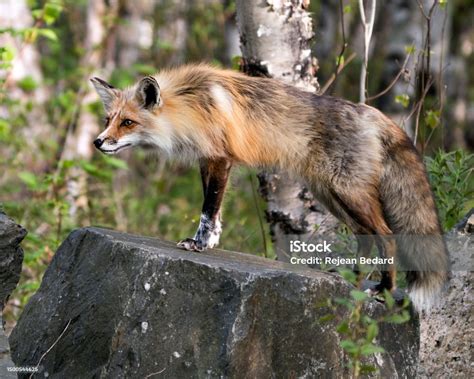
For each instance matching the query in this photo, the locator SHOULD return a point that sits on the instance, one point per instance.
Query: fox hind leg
(214, 175)
(364, 209)
(387, 248)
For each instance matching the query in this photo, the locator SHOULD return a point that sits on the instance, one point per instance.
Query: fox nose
(98, 142)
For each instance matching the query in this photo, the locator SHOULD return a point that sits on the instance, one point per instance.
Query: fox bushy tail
(411, 213)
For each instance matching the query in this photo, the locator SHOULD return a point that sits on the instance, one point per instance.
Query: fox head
(130, 115)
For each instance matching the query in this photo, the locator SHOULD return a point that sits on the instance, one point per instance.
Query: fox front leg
(214, 174)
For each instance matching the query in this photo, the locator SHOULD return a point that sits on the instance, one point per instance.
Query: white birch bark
(275, 38)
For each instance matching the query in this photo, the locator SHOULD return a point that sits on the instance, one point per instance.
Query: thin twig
(419, 108)
(417, 104)
(425, 67)
(393, 82)
(341, 54)
(333, 77)
(422, 9)
(440, 78)
(368, 29)
(51, 347)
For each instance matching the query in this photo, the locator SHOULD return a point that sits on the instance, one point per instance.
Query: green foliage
(410, 49)
(403, 100)
(432, 118)
(28, 83)
(452, 182)
(357, 329)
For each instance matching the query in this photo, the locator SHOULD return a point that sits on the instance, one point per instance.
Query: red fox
(356, 161)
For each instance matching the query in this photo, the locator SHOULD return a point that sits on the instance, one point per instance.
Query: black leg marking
(214, 174)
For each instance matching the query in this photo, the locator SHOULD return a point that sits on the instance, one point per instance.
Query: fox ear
(106, 92)
(148, 92)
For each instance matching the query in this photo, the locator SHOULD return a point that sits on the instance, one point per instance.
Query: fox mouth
(116, 150)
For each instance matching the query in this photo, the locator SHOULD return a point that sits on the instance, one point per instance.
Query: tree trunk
(275, 39)
(79, 139)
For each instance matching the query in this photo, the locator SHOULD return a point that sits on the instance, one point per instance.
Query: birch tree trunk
(79, 140)
(275, 39)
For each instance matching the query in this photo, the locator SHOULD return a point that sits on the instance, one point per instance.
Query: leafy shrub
(453, 184)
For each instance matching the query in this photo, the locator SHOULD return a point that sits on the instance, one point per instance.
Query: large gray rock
(11, 258)
(447, 332)
(113, 305)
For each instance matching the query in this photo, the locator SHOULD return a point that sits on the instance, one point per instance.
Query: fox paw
(191, 244)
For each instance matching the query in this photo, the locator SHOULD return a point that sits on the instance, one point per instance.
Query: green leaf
(30, 35)
(398, 318)
(30, 286)
(348, 275)
(367, 369)
(349, 346)
(67, 163)
(340, 60)
(403, 99)
(410, 49)
(48, 33)
(372, 331)
(52, 10)
(432, 118)
(29, 179)
(343, 327)
(345, 302)
(7, 53)
(93, 170)
(116, 162)
(369, 349)
(37, 13)
(359, 295)
(28, 84)
(389, 300)
(235, 62)
(5, 130)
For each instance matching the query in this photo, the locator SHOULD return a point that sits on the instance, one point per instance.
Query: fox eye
(106, 121)
(126, 122)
